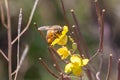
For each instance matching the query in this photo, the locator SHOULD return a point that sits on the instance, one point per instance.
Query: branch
(3, 54)
(118, 70)
(64, 13)
(100, 16)
(21, 61)
(97, 75)
(100, 67)
(41, 33)
(3, 17)
(28, 24)
(80, 41)
(9, 38)
(55, 52)
(57, 66)
(109, 67)
(47, 68)
(19, 29)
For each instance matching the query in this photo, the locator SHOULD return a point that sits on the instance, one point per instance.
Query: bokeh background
(49, 12)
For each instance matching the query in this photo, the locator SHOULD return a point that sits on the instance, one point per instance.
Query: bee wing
(44, 28)
(49, 27)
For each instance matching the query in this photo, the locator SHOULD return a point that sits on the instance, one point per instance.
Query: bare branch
(80, 41)
(97, 75)
(28, 24)
(3, 54)
(21, 60)
(109, 67)
(9, 39)
(118, 70)
(93, 56)
(57, 66)
(19, 29)
(100, 15)
(47, 68)
(64, 13)
(55, 52)
(3, 17)
(41, 33)
(100, 67)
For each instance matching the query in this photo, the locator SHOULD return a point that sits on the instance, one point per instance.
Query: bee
(53, 32)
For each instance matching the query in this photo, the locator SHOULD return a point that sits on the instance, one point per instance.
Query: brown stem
(9, 39)
(77, 40)
(41, 33)
(28, 24)
(93, 56)
(80, 40)
(47, 68)
(101, 31)
(3, 54)
(89, 74)
(97, 9)
(19, 29)
(100, 67)
(54, 59)
(21, 61)
(55, 52)
(101, 24)
(118, 70)
(109, 67)
(3, 17)
(65, 16)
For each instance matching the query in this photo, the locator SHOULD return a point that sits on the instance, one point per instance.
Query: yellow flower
(85, 62)
(62, 39)
(63, 52)
(68, 68)
(75, 65)
(74, 68)
(78, 60)
(77, 70)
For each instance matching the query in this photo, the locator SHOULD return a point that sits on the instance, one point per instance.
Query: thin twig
(19, 29)
(101, 31)
(80, 40)
(89, 74)
(55, 60)
(97, 75)
(3, 54)
(48, 69)
(100, 67)
(93, 56)
(100, 16)
(55, 52)
(9, 39)
(109, 67)
(75, 35)
(101, 24)
(65, 16)
(41, 33)
(21, 60)
(118, 70)
(3, 17)
(28, 24)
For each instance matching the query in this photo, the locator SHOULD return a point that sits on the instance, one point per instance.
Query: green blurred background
(49, 12)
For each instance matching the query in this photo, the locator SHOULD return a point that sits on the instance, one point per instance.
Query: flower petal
(61, 38)
(77, 70)
(68, 68)
(85, 61)
(63, 41)
(63, 52)
(75, 58)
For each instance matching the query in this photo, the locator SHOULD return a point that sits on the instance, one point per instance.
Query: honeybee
(53, 32)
